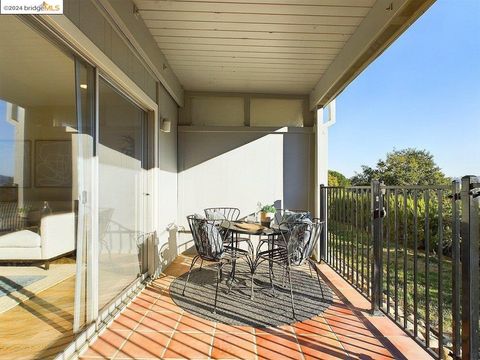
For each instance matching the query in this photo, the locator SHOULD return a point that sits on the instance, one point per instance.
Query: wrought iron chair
(230, 214)
(299, 240)
(209, 243)
(291, 215)
(285, 216)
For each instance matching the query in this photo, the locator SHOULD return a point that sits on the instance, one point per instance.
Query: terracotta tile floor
(153, 327)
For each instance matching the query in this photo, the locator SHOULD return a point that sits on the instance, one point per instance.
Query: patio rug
(236, 307)
(20, 283)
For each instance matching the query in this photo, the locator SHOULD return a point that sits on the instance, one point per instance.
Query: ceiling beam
(383, 24)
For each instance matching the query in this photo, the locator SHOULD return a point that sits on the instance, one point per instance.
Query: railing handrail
(395, 187)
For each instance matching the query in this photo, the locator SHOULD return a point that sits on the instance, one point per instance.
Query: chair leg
(194, 260)
(291, 290)
(219, 271)
(270, 274)
(312, 267)
(201, 263)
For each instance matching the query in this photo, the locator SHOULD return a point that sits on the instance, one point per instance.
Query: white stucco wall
(167, 180)
(243, 166)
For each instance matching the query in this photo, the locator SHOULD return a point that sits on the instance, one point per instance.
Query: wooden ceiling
(269, 46)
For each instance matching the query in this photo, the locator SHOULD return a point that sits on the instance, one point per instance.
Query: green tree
(337, 179)
(403, 167)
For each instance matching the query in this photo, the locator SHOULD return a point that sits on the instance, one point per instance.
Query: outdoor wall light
(165, 125)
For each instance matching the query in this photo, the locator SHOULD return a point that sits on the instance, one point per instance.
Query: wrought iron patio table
(236, 229)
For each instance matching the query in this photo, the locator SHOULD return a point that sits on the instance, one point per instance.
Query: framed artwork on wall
(53, 163)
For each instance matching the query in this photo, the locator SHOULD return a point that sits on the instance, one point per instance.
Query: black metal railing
(413, 252)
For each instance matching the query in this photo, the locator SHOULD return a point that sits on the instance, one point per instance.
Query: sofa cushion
(20, 239)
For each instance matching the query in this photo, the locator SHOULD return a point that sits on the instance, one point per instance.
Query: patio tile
(107, 344)
(408, 348)
(163, 282)
(128, 320)
(166, 304)
(283, 329)
(278, 346)
(385, 326)
(144, 301)
(144, 346)
(138, 308)
(312, 326)
(189, 346)
(233, 346)
(345, 325)
(356, 299)
(364, 347)
(234, 329)
(158, 322)
(191, 323)
(321, 347)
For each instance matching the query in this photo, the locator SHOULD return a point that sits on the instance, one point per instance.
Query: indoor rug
(236, 307)
(20, 283)
(14, 283)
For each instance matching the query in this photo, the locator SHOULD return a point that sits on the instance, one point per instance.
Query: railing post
(469, 250)
(456, 272)
(323, 217)
(377, 208)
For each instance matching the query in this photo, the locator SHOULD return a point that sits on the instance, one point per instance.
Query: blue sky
(422, 92)
(6, 144)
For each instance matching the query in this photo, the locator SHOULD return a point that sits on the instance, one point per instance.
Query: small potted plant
(267, 213)
(24, 211)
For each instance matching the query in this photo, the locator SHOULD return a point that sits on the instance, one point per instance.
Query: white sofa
(57, 237)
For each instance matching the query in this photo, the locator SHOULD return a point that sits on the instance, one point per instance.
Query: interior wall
(241, 167)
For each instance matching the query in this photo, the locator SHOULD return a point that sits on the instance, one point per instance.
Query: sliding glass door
(122, 181)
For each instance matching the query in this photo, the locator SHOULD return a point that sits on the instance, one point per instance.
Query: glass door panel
(83, 144)
(121, 192)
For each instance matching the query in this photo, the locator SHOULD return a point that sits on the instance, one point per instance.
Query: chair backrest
(301, 238)
(291, 215)
(221, 213)
(207, 237)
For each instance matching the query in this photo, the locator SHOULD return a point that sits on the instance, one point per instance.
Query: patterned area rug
(16, 283)
(236, 307)
(20, 283)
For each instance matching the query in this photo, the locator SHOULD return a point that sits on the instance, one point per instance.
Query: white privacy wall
(240, 167)
(167, 182)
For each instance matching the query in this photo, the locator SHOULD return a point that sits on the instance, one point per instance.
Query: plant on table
(267, 213)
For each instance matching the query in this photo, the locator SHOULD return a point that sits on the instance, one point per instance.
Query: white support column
(321, 155)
